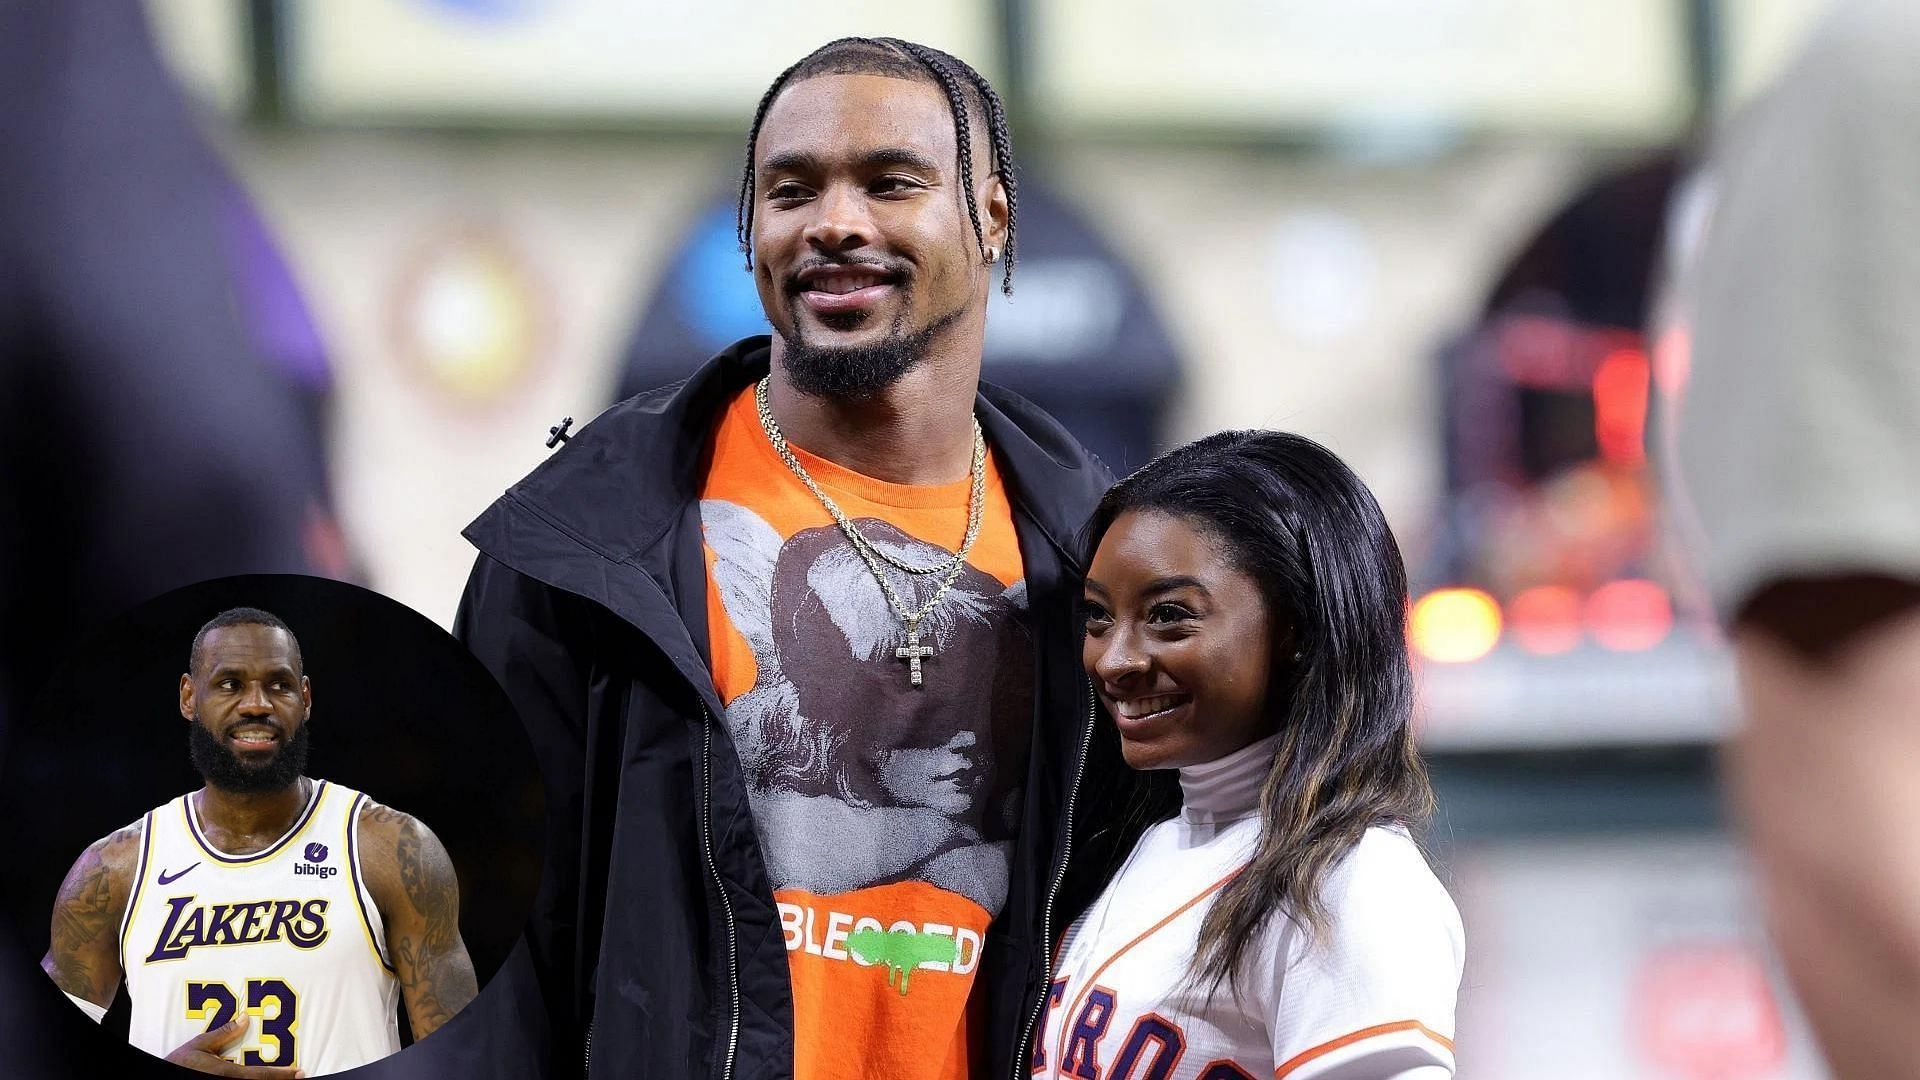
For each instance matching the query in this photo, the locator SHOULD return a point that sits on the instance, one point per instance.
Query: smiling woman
(1179, 639)
(1245, 613)
(270, 920)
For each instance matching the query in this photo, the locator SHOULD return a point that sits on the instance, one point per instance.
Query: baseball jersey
(1369, 999)
(288, 934)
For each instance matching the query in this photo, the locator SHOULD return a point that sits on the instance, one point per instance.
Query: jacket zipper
(1023, 1051)
(713, 869)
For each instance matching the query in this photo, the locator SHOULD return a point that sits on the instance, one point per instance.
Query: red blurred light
(1545, 620)
(1454, 626)
(1707, 1009)
(1627, 616)
(1620, 407)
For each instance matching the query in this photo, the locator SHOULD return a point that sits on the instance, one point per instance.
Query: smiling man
(266, 924)
(795, 638)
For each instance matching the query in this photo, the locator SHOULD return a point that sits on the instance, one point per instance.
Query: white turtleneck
(1371, 1000)
(1227, 789)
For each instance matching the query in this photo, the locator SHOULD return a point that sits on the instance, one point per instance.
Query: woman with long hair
(1245, 617)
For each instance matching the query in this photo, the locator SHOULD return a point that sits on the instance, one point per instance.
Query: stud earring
(993, 254)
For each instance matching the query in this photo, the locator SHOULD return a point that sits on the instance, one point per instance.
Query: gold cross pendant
(913, 652)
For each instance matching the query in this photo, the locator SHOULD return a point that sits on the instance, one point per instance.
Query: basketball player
(810, 819)
(266, 924)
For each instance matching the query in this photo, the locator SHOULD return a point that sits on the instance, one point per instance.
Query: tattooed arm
(412, 881)
(83, 955)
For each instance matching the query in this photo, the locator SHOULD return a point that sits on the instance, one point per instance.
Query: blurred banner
(1613, 70)
(1609, 68)
(536, 60)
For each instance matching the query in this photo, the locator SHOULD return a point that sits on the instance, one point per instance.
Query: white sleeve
(97, 1012)
(1373, 997)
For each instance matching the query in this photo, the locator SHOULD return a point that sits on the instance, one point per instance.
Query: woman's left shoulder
(1373, 993)
(1387, 855)
(1386, 891)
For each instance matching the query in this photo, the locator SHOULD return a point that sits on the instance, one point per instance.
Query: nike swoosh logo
(168, 879)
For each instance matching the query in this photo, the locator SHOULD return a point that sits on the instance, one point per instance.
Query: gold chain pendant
(913, 652)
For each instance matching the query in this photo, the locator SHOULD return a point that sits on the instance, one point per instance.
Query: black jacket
(655, 942)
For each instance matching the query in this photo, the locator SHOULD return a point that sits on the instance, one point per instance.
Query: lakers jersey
(288, 935)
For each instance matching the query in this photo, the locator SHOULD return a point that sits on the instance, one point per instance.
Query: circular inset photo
(279, 822)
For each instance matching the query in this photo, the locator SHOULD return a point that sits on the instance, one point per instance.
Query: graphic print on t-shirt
(861, 778)
(885, 811)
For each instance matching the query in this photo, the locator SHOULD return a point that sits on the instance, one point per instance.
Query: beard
(224, 769)
(858, 372)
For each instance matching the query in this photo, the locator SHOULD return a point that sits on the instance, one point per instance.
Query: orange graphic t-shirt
(885, 811)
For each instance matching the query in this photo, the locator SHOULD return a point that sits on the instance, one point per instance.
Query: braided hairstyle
(899, 59)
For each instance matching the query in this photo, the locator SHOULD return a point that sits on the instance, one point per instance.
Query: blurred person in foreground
(1245, 611)
(795, 638)
(145, 440)
(1799, 450)
(157, 371)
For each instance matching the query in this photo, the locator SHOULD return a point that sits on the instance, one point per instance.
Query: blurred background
(1428, 233)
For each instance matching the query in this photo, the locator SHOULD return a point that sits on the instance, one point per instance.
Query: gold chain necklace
(912, 652)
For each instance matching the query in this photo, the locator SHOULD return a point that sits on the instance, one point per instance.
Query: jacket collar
(623, 481)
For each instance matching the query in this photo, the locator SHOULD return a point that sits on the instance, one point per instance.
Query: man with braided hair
(796, 638)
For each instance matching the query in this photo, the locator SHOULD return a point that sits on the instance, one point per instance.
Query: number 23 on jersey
(272, 1001)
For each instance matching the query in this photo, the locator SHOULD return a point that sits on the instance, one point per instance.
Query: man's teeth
(845, 283)
(253, 736)
(1139, 707)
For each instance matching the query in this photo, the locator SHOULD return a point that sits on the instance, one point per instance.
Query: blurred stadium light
(1552, 513)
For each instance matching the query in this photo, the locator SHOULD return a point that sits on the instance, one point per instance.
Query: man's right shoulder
(119, 850)
(112, 861)
(614, 476)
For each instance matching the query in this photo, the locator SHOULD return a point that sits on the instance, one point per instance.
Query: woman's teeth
(1143, 707)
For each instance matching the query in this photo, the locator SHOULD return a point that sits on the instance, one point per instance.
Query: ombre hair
(1289, 514)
